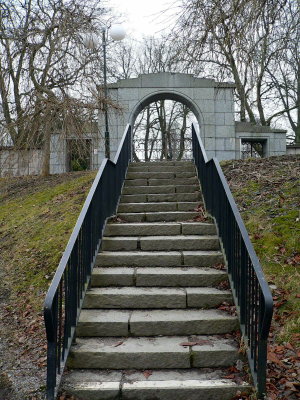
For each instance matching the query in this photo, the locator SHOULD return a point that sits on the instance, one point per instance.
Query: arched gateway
(211, 102)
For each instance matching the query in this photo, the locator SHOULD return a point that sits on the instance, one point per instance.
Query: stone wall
(275, 139)
(293, 149)
(19, 163)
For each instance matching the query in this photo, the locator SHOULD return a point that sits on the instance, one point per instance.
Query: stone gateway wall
(19, 163)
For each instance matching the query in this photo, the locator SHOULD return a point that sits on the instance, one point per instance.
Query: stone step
(171, 197)
(163, 162)
(157, 243)
(160, 189)
(155, 297)
(157, 207)
(160, 175)
(157, 276)
(162, 181)
(159, 229)
(183, 384)
(154, 322)
(188, 167)
(199, 258)
(167, 216)
(152, 352)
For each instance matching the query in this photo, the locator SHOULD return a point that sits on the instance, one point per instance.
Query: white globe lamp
(117, 32)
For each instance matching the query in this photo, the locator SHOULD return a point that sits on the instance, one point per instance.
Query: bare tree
(42, 65)
(239, 40)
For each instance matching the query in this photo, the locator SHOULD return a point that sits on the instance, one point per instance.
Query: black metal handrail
(65, 295)
(251, 291)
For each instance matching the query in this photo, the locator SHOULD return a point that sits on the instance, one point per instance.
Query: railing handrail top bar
(256, 264)
(121, 144)
(197, 132)
(64, 259)
(244, 233)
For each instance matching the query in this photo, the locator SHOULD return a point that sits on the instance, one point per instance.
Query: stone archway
(210, 101)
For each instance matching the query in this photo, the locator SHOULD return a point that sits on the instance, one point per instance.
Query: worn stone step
(154, 322)
(159, 229)
(155, 297)
(156, 216)
(152, 352)
(161, 181)
(163, 163)
(157, 243)
(135, 297)
(178, 384)
(181, 322)
(198, 258)
(161, 174)
(160, 189)
(157, 276)
(178, 276)
(188, 167)
(157, 207)
(169, 197)
(113, 276)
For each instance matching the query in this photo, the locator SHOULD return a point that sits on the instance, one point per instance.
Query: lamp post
(117, 33)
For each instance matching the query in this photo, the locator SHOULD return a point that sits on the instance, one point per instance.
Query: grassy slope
(36, 219)
(267, 192)
(37, 216)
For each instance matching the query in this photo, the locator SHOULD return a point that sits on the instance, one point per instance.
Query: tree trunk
(46, 150)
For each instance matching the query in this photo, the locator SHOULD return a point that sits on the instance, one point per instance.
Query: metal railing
(65, 295)
(251, 292)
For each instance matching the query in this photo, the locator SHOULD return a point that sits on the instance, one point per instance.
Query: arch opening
(162, 127)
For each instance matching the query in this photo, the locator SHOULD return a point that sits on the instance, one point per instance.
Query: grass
(35, 228)
(267, 192)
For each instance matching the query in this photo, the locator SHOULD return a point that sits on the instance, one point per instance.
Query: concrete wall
(275, 138)
(19, 163)
(293, 149)
(211, 102)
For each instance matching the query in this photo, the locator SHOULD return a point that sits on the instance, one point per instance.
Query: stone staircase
(150, 328)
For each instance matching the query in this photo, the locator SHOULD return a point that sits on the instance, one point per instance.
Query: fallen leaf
(273, 358)
(118, 344)
(147, 373)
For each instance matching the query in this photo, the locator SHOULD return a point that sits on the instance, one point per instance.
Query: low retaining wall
(19, 163)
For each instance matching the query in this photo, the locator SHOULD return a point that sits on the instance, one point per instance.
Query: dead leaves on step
(196, 343)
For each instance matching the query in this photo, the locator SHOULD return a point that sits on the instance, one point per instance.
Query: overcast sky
(145, 17)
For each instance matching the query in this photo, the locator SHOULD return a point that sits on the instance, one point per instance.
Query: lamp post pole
(117, 33)
(106, 134)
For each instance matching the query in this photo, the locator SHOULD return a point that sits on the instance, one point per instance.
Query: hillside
(38, 214)
(267, 192)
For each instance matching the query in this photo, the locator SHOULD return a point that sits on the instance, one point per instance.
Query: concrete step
(161, 181)
(160, 189)
(158, 243)
(188, 167)
(157, 207)
(199, 258)
(157, 276)
(159, 229)
(161, 175)
(152, 352)
(171, 197)
(155, 297)
(156, 216)
(163, 163)
(183, 384)
(154, 322)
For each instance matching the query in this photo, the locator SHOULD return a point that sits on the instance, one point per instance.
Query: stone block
(130, 353)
